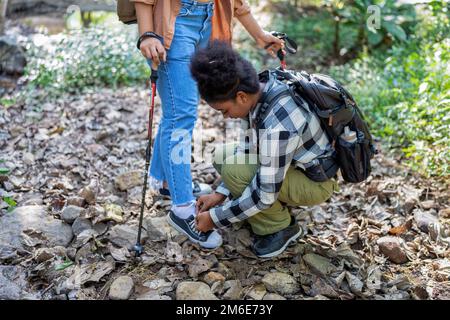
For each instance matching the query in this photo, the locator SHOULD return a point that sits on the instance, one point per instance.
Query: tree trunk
(3, 6)
(336, 42)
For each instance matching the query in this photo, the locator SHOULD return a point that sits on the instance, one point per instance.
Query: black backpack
(336, 110)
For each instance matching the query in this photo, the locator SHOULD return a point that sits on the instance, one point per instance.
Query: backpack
(339, 114)
(126, 11)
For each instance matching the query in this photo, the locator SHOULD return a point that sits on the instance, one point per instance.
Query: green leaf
(395, 30)
(374, 38)
(63, 265)
(4, 170)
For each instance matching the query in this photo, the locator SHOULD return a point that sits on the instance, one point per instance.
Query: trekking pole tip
(138, 249)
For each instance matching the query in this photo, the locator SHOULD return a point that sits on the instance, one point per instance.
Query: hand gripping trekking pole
(289, 44)
(138, 248)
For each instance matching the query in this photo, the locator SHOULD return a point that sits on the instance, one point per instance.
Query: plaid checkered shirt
(288, 134)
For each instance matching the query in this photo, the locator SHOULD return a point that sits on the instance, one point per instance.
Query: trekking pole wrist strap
(148, 34)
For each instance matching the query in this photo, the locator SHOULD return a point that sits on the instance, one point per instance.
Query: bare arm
(151, 48)
(262, 38)
(144, 14)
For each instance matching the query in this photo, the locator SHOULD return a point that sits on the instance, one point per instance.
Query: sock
(184, 211)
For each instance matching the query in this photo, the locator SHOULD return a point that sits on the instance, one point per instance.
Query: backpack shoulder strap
(270, 97)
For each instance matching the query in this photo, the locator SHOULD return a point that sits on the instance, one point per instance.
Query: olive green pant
(297, 190)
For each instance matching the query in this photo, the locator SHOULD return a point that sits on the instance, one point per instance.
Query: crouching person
(274, 169)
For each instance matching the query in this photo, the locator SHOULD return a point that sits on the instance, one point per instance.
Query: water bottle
(349, 135)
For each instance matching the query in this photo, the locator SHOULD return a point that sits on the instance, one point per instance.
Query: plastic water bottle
(349, 135)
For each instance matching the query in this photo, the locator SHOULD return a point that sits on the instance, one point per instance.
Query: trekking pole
(289, 44)
(138, 248)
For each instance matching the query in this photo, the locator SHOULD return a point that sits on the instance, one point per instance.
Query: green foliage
(10, 202)
(406, 95)
(82, 58)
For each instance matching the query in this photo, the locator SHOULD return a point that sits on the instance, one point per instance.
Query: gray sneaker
(198, 189)
(274, 244)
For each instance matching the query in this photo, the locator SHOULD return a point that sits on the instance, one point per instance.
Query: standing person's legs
(179, 97)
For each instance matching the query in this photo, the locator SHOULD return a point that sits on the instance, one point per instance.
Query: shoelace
(193, 228)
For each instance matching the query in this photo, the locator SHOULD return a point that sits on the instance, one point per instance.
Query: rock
(13, 284)
(355, 284)
(70, 213)
(28, 158)
(234, 290)
(217, 287)
(81, 224)
(189, 290)
(158, 229)
(75, 201)
(125, 236)
(320, 287)
(198, 266)
(121, 288)
(173, 252)
(428, 204)
(152, 295)
(318, 264)
(51, 231)
(441, 291)
(89, 194)
(257, 292)
(212, 277)
(128, 180)
(114, 212)
(393, 248)
(281, 283)
(119, 254)
(84, 237)
(160, 286)
(13, 59)
(444, 213)
(273, 296)
(228, 273)
(424, 220)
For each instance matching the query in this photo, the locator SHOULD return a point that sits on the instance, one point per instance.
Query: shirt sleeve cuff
(215, 214)
(222, 189)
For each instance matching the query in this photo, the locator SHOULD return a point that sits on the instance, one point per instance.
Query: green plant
(85, 58)
(406, 95)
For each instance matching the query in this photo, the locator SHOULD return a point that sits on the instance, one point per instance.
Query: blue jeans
(171, 160)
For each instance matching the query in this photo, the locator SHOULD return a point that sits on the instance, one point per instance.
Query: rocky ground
(75, 169)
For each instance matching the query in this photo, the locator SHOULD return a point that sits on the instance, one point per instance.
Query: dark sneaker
(273, 244)
(209, 240)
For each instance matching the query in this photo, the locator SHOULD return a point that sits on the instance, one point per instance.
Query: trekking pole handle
(153, 76)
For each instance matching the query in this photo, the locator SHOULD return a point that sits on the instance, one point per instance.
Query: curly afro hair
(221, 72)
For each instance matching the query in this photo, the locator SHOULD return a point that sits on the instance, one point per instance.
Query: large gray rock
(35, 221)
(124, 235)
(13, 284)
(280, 283)
(70, 213)
(393, 248)
(189, 290)
(158, 229)
(121, 288)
